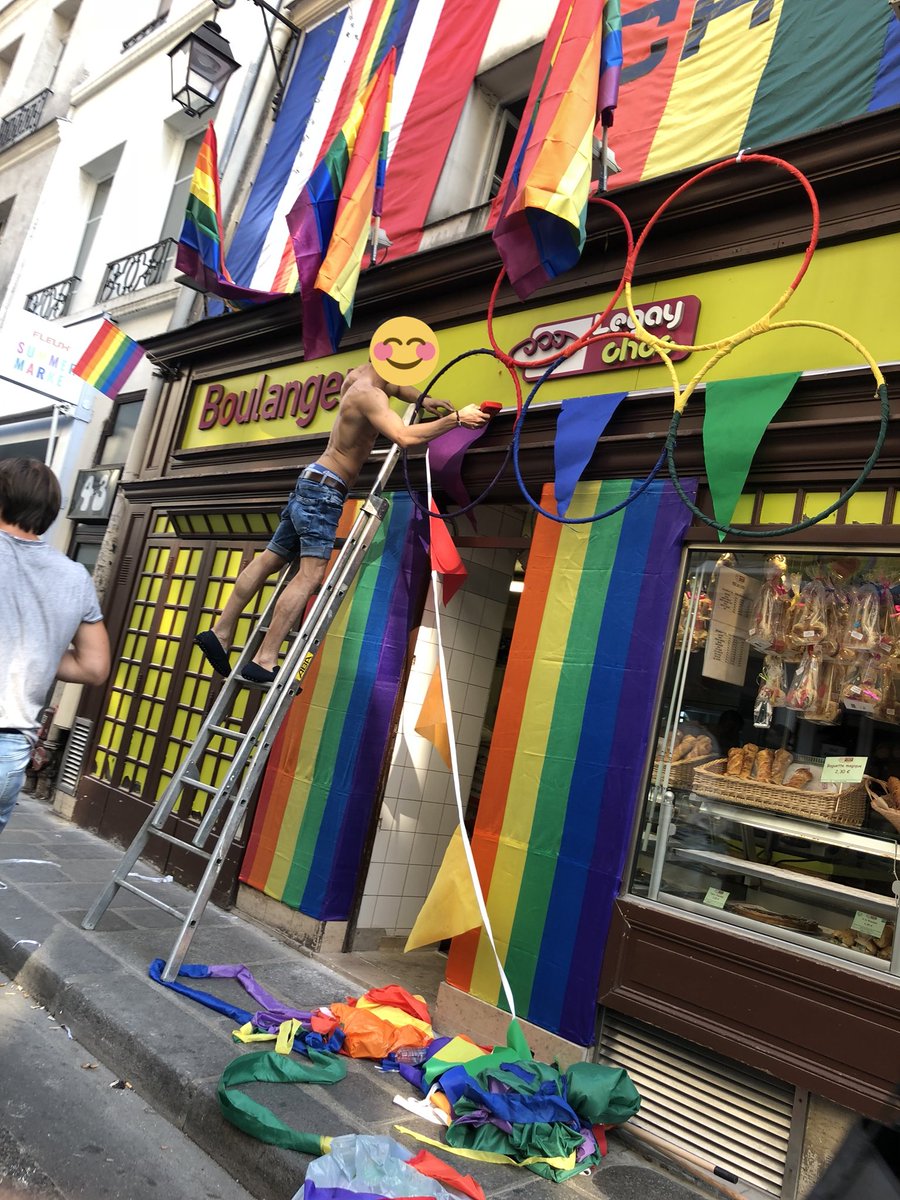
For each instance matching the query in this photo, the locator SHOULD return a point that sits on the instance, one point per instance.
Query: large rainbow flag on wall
(540, 228)
(200, 254)
(332, 219)
(109, 359)
(305, 848)
(561, 783)
(702, 80)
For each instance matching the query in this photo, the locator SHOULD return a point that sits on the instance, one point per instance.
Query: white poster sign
(726, 653)
(38, 355)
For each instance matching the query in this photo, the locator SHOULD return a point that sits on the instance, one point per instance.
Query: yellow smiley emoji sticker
(404, 350)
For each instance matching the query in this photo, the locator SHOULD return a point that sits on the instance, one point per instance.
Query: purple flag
(581, 422)
(446, 454)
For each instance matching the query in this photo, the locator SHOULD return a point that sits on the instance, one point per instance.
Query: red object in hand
(490, 407)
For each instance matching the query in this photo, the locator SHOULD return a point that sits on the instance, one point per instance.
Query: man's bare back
(365, 412)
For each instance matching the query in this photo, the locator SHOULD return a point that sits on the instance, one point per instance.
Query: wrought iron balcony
(23, 120)
(53, 301)
(135, 271)
(142, 33)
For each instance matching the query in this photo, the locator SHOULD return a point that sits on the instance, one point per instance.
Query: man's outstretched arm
(375, 408)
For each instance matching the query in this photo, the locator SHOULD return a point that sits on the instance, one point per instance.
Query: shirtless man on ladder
(310, 519)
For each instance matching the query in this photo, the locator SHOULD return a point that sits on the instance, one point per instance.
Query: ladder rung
(223, 732)
(130, 887)
(175, 841)
(210, 788)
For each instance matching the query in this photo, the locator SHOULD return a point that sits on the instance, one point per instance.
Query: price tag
(716, 898)
(844, 770)
(864, 922)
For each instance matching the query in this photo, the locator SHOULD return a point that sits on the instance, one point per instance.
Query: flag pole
(376, 228)
(604, 161)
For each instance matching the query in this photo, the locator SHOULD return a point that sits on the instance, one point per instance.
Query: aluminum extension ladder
(251, 747)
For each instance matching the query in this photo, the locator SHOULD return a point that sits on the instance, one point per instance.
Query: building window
(482, 145)
(181, 188)
(119, 430)
(5, 211)
(92, 224)
(7, 58)
(780, 715)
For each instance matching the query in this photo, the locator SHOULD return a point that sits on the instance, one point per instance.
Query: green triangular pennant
(737, 413)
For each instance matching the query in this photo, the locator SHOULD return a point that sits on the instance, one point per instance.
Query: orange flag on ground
(451, 907)
(432, 722)
(445, 557)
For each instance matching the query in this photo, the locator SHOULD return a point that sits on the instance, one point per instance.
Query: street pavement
(173, 1051)
(70, 1128)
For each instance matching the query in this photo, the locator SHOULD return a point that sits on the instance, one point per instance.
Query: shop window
(774, 797)
(86, 543)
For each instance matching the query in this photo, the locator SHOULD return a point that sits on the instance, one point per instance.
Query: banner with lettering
(701, 80)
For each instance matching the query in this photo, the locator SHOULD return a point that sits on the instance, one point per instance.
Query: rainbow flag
(200, 253)
(386, 27)
(540, 228)
(610, 62)
(310, 827)
(561, 784)
(332, 218)
(109, 360)
(716, 78)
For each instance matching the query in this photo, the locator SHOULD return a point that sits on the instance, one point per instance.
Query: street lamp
(202, 64)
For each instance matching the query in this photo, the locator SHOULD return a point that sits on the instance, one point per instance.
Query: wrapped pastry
(766, 631)
(808, 624)
(862, 689)
(780, 764)
(764, 763)
(772, 690)
(802, 693)
(864, 619)
(826, 707)
(799, 778)
(735, 761)
(748, 757)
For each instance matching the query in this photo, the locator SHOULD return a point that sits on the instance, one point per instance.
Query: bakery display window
(773, 801)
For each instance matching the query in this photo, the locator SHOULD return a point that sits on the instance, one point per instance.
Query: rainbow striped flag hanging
(109, 360)
(309, 831)
(200, 254)
(332, 218)
(386, 27)
(540, 228)
(561, 783)
(610, 62)
(715, 78)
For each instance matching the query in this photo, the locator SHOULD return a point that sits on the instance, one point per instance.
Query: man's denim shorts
(309, 521)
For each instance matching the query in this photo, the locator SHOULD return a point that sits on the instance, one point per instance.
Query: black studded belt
(316, 476)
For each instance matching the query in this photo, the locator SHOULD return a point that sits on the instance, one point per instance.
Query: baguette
(684, 748)
(749, 754)
(780, 764)
(764, 762)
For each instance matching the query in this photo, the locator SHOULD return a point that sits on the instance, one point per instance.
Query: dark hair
(29, 494)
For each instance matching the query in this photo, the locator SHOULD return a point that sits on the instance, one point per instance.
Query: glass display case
(773, 801)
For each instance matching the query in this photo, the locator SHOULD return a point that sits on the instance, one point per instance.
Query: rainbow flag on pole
(331, 221)
(109, 360)
(200, 253)
(542, 205)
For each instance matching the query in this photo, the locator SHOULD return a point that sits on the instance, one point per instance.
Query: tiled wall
(418, 813)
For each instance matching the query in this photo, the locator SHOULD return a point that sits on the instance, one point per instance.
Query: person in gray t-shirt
(51, 626)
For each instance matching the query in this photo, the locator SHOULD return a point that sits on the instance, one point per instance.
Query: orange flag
(445, 557)
(432, 722)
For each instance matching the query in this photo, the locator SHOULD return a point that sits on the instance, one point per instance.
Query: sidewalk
(173, 1051)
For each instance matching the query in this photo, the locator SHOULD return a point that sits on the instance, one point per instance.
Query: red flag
(445, 557)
